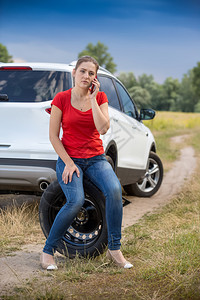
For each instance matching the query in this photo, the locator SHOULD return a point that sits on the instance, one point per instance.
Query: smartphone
(92, 87)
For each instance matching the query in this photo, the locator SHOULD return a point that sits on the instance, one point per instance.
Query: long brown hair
(87, 58)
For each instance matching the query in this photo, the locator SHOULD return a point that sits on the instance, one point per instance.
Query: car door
(133, 151)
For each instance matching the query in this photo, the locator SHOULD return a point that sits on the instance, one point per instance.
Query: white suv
(27, 159)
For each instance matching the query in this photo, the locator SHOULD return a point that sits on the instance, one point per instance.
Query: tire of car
(111, 162)
(149, 184)
(87, 235)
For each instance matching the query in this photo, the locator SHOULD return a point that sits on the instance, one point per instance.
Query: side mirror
(147, 114)
(4, 97)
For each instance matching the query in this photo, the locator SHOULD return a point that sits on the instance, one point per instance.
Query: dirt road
(172, 183)
(23, 265)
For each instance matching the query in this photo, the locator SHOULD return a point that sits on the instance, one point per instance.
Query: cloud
(37, 51)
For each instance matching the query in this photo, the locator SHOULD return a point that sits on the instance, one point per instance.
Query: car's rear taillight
(15, 68)
(48, 110)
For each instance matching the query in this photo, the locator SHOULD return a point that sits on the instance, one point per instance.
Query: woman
(83, 114)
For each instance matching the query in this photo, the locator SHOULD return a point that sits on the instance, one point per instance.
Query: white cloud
(37, 51)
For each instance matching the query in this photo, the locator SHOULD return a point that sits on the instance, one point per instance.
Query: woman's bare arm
(100, 116)
(54, 132)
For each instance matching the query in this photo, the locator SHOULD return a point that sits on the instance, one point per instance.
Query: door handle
(4, 146)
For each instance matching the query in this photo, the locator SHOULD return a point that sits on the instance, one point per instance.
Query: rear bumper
(26, 177)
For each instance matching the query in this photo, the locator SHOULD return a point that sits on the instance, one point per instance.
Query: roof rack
(73, 63)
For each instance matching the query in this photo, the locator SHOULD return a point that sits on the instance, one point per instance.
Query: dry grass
(19, 225)
(169, 124)
(163, 247)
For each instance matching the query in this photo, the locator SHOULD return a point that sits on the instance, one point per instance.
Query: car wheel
(111, 162)
(149, 184)
(87, 235)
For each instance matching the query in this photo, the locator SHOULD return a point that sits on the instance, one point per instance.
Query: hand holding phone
(92, 87)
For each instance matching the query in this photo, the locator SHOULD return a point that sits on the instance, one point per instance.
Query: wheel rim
(87, 225)
(151, 178)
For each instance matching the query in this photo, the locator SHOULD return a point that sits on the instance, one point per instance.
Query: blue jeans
(100, 172)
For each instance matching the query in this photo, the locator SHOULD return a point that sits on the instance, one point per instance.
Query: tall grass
(169, 124)
(167, 249)
(163, 247)
(19, 225)
(170, 121)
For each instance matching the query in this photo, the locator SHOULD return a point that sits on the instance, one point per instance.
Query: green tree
(100, 53)
(141, 96)
(187, 99)
(142, 90)
(170, 94)
(146, 81)
(4, 55)
(157, 96)
(196, 80)
(128, 79)
(197, 107)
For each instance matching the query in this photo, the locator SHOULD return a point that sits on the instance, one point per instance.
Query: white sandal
(48, 267)
(125, 265)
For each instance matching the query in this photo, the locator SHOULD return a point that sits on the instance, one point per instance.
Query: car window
(32, 86)
(127, 102)
(107, 86)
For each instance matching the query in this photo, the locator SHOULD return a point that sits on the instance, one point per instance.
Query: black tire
(148, 185)
(87, 235)
(111, 162)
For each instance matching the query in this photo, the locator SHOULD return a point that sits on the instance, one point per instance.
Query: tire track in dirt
(172, 184)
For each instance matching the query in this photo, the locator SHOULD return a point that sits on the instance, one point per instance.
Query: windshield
(32, 86)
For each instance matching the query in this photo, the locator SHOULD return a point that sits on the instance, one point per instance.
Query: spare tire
(87, 235)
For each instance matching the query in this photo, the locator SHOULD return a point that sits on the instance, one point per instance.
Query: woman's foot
(118, 258)
(47, 262)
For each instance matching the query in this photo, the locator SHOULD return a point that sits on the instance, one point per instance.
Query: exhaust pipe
(43, 185)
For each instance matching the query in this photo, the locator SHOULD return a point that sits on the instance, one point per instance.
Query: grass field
(169, 121)
(168, 124)
(163, 247)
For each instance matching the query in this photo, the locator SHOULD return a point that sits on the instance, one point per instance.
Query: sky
(158, 37)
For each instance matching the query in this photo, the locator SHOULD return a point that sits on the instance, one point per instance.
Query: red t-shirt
(80, 136)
